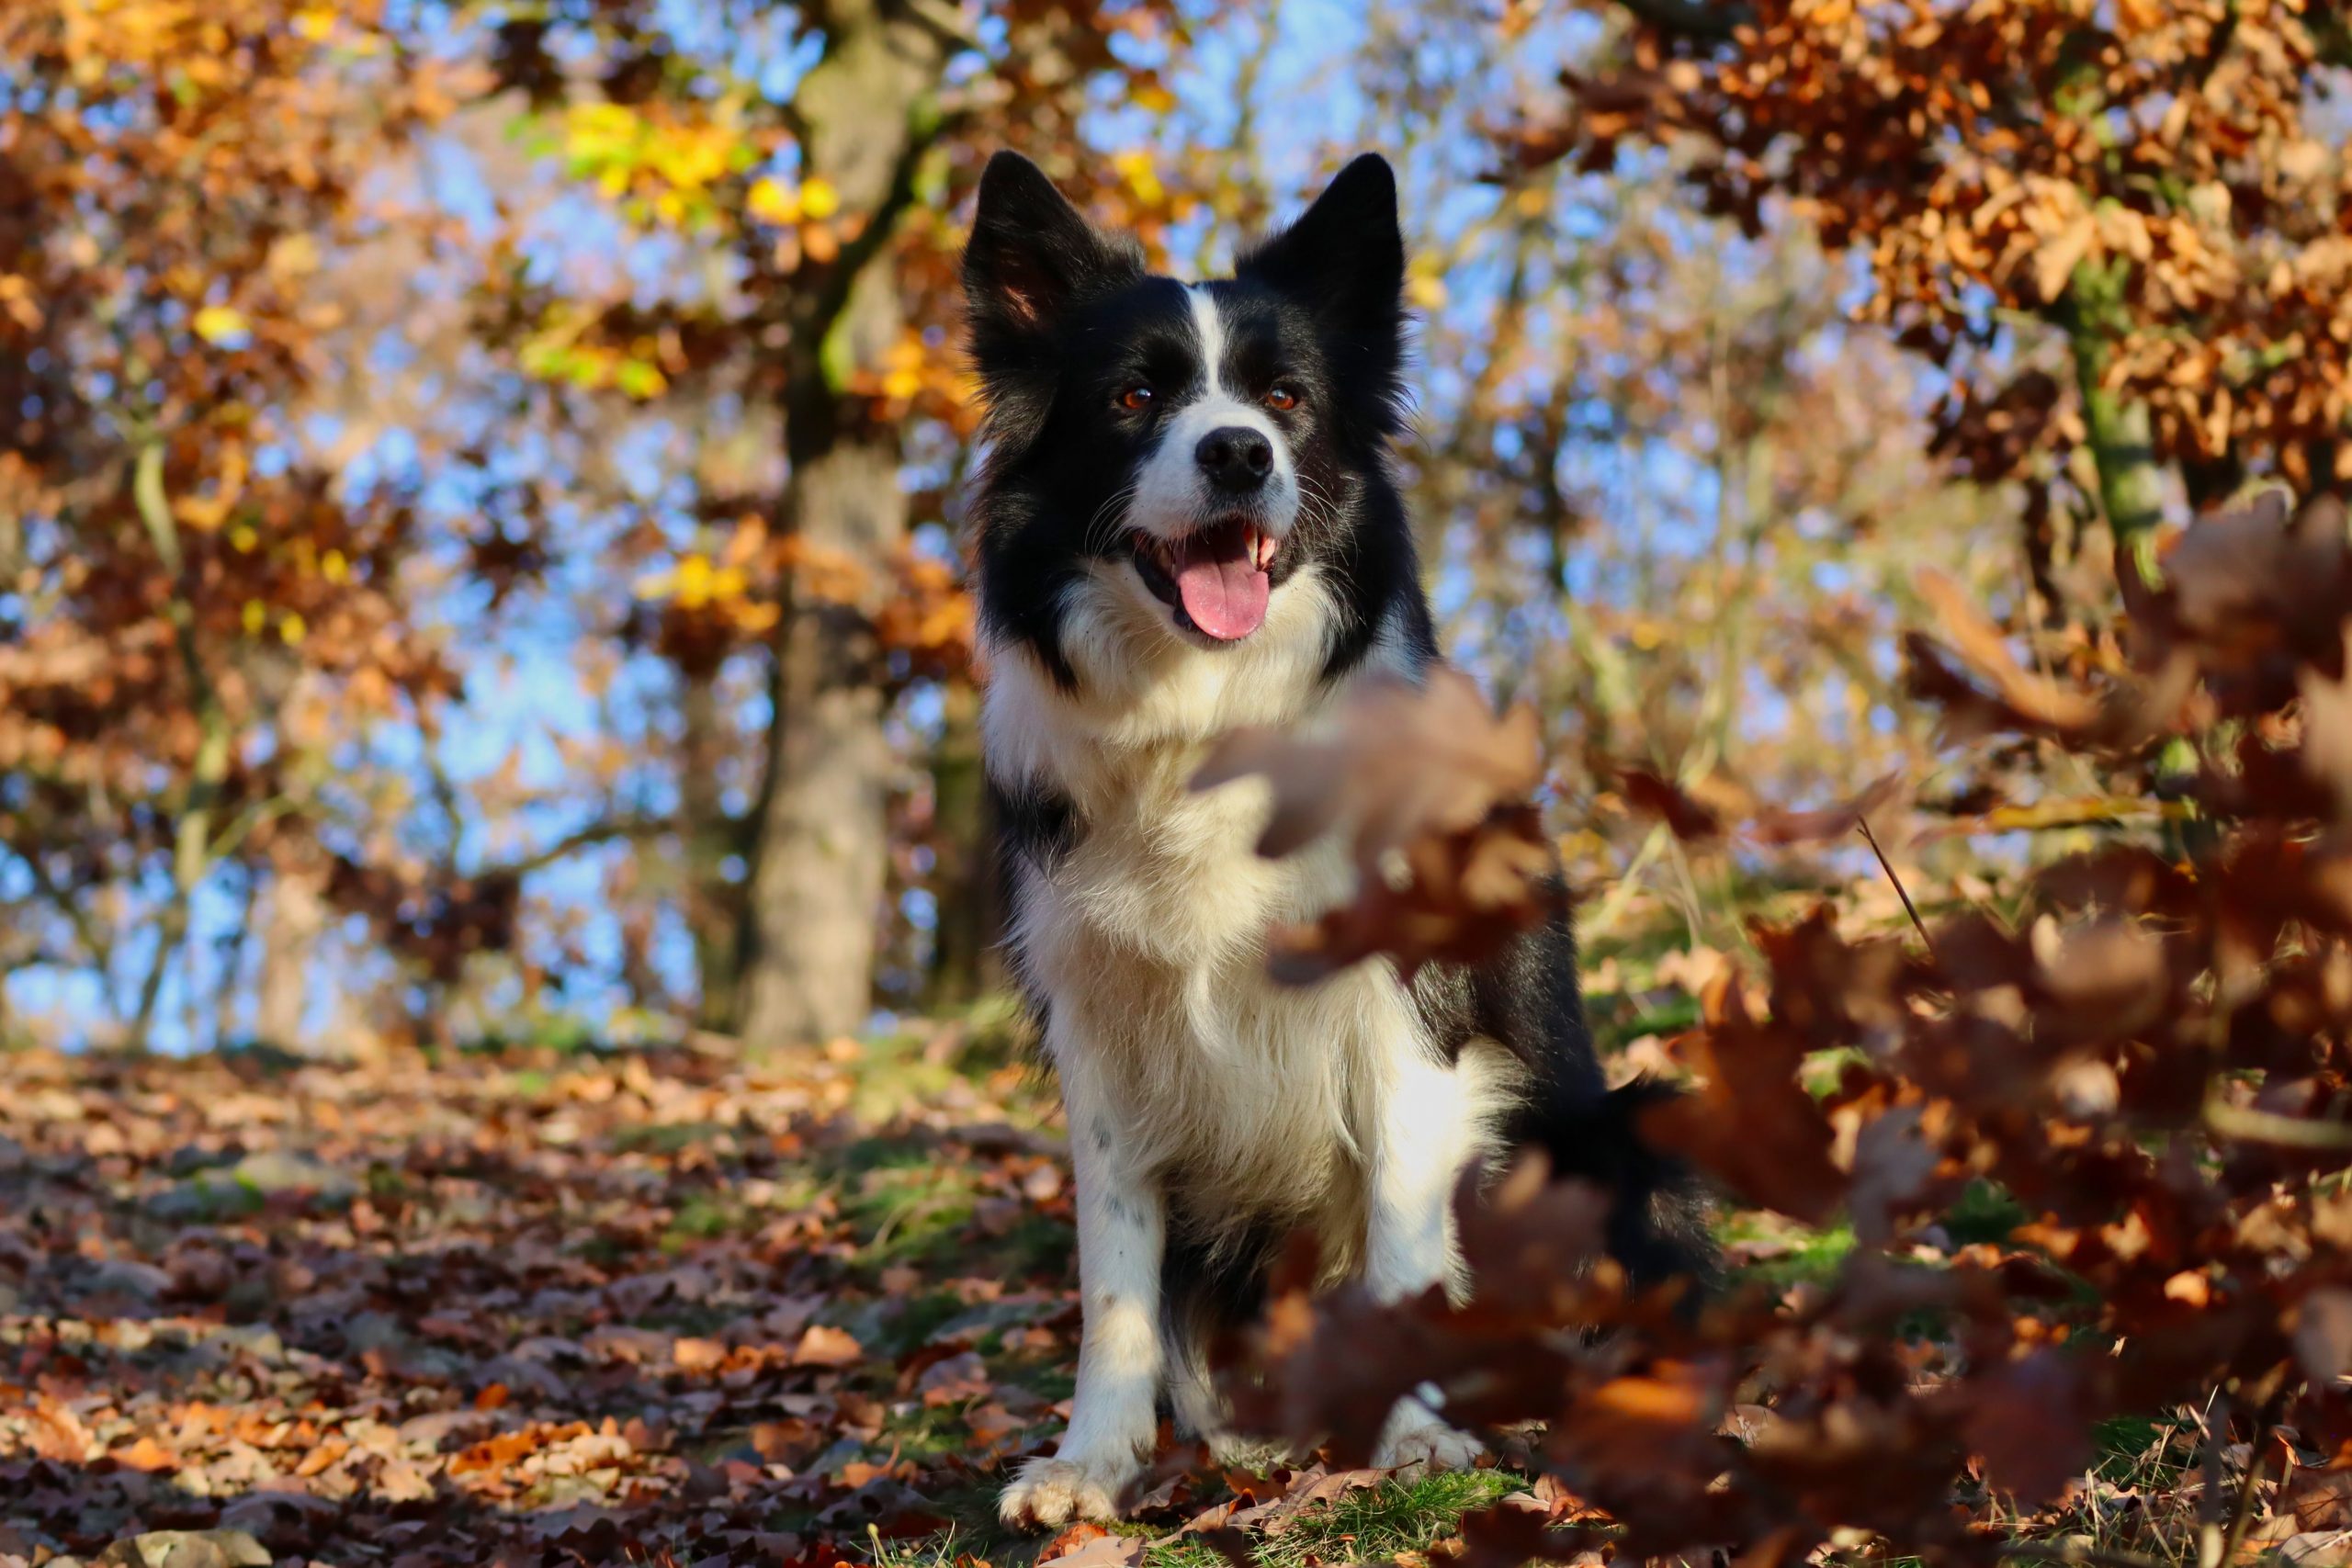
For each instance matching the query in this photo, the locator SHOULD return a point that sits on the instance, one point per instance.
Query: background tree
(197, 609)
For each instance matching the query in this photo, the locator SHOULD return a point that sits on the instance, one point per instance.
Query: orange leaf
(698, 1355)
(823, 1346)
(145, 1454)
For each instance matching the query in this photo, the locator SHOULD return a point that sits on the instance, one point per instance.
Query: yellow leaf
(244, 539)
(640, 379)
(216, 323)
(771, 201)
(599, 128)
(819, 200)
(293, 629)
(901, 384)
(1425, 290)
(334, 567)
(1155, 99)
(256, 615)
(314, 22)
(695, 582)
(1135, 167)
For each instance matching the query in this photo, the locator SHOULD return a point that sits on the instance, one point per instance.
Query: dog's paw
(1051, 1492)
(1419, 1441)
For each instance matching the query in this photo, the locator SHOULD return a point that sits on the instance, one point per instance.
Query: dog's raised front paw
(1055, 1491)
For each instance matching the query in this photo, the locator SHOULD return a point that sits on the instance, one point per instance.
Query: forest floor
(530, 1306)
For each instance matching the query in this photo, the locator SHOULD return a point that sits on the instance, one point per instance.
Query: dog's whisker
(1103, 529)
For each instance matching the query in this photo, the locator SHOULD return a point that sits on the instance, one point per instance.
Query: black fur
(1039, 825)
(1526, 999)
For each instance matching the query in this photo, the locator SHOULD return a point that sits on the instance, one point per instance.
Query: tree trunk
(964, 940)
(296, 917)
(820, 850)
(714, 903)
(818, 869)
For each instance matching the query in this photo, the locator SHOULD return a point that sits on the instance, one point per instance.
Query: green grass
(673, 1138)
(1370, 1525)
(1983, 1214)
(899, 1066)
(1618, 1021)
(704, 1218)
(1811, 1256)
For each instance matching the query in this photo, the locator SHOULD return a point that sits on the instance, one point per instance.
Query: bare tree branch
(604, 832)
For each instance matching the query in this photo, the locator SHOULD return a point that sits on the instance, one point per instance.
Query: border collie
(1186, 524)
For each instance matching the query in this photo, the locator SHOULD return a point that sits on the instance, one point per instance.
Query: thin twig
(1604, 919)
(1909, 908)
(2247, 1125)
(2243, 1515)
(2210, 1535)
(86, 930)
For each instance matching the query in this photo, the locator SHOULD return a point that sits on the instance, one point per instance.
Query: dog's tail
(1657, 1215)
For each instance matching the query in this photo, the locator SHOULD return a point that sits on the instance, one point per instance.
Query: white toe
(1051, 1492)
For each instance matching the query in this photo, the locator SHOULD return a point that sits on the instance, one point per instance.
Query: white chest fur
(1148, 935)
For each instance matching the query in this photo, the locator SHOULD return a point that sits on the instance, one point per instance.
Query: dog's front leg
(1427, 1134)
(1121, 1227)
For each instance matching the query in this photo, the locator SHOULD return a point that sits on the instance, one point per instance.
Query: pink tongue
(1224, 593)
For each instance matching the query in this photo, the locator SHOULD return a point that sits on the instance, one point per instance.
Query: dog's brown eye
(1281, 396)
(1134, 400)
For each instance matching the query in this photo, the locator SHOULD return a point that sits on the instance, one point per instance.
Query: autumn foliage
(481, 603)
(2146, 175)
(2143, 1055)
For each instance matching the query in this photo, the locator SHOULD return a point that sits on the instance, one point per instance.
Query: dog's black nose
(1235, 459)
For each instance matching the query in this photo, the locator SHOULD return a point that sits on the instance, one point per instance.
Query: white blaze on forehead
(1209, 327)
(1172, 496)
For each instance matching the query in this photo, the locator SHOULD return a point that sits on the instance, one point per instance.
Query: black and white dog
(1186, 525)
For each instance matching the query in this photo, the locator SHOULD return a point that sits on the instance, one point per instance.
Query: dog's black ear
(1030, 257)
(1345, 256)
(1032, 254)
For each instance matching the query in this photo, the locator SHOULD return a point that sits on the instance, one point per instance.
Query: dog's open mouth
(1215, 577)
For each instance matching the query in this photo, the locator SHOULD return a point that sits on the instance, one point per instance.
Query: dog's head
(1189, 450)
